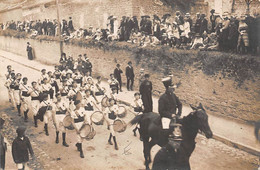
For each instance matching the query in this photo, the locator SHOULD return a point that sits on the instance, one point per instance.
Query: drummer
(78, 116)
(60, 108)
(35, 101)
(65, 72)
(113, 82)
(138, 109)
(9, 84)
(64, 90)
(91, 87)
(25, 97)
(113, 95)
(73, 91)
(89, 102)
(47, 106)
(46, 88)
(16, 92)
(85, 78)
(53, 83)
(57, 73)
(69, 79)
(100, 90)
(77, 77)
(43, 75)
(110, 116)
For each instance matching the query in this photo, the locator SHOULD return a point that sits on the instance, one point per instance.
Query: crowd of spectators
(225, 33)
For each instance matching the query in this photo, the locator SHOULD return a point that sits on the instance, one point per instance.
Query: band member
(9, 84)
(20, 147)
(117, 75)
(168, 104)
(46, 110)
(90, 85)
(16, 92)
(89, 102)
(113, 82)
(46, 88)
(100, 89)
(73, 91)
(113, 95)
(129, 72)
(25, 97)
(64, 90)
(43, 75)
(9, 71)
(35, 101)
(110, 116)
(60, 108)
(146, 93)
(57, 73)
(138, 109)
(69, 79)
(77, 77)
(78, 116)
(53, 83)
(85, 78)
(65, 71)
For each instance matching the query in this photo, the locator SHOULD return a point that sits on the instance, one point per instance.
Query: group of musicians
(68, 91)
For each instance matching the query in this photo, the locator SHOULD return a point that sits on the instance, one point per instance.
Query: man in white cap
(168, 104)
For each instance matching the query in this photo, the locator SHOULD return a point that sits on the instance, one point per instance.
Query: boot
(26, 115)
(109, 140)
(57, 137)
(81, 151)
(46, 129)
(64, 140)
(116, 147)
(77, 145)
(35, 121)
(19, 109)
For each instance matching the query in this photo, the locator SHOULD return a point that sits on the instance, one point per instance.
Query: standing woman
(243, 34)
(110, 115)
(29, 51)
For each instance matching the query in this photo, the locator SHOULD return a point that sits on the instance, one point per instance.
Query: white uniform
(78, 117)
(48, 114)
(17, 92)
(8, 84)
(72, 92)
(89, 107)
(25, 96)
(42, 77)
(110, 110)
(60, 110)
(138, 105)
(64, 90)
(35, 102)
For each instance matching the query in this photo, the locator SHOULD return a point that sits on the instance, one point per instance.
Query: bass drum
(122, 111)
(87, 132)
(104, 102)
(119, 125)
(67, 122)
(97, 118)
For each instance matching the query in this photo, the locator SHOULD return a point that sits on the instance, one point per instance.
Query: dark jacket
(168, 103)
(20, 149)
(117, 73)
(129, 72)
(3, 146)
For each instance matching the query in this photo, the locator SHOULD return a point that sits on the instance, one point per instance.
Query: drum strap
(79, 119)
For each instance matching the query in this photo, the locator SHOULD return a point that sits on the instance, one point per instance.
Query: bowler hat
(20, 130)
(130, 62)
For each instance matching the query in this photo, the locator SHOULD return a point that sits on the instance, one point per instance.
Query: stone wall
(219, 92)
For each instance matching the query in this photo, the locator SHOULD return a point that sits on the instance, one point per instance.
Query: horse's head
(202, 117)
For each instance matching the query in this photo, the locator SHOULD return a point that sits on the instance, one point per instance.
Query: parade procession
(129, 85)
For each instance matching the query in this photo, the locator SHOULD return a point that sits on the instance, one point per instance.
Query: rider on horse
(168, 104)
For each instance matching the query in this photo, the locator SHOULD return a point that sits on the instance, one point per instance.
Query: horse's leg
(151, 144)
(146, 154)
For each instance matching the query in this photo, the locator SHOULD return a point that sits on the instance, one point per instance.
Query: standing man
(212, 20)
(117, 75)
(3, 146)
(20, 147)
(129, 72)
(29, 51)
(168, 104)
(70, 25)
(197, 23)
(146, 92)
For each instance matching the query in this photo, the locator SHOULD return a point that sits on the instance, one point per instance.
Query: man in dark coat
(129, 72)
(148, 26)
(204, 24)
(88, 66)
(168, 104)
(29, 51)
(135, 24)
(3, 146)
(197, 23)
(213, 20)
(70, 26)
(20, 147)
(117, 75)
(146, 92)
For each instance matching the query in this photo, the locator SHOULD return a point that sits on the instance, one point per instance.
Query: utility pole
(59, 27)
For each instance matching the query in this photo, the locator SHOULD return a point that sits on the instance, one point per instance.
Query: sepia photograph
(129, 84)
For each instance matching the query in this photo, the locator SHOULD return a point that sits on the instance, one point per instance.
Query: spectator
(29, 51)
(3, 146)
(203, 24)
(129, 76)
(212, 20)
(243, 41)
(20, 147)
(117, 75)
(70, 26)
(146, 93)
(197, 23)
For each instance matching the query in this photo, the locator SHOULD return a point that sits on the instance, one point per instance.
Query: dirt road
(208, 155)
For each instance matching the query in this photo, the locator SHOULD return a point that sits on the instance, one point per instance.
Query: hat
(137, 93)
(130, 62)
(141, 70)
(187, 15)
(147, 75)
(212, 11)
(76, 102)
(117, 65)
(113, 88)
(20, 130)
(167, 82)
(197, 13)
(43, 70)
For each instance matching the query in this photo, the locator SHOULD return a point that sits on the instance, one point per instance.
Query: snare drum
(121, 112)
(104, 102)
(119, 125)
(67, 122)
(97, 118)
(87, 132)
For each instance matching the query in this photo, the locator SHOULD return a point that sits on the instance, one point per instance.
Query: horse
(191, 124)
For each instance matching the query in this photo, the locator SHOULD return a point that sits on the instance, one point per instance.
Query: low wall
(225, 84)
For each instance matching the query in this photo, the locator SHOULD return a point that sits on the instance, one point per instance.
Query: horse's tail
(136, 119)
